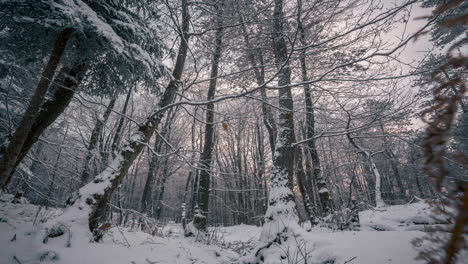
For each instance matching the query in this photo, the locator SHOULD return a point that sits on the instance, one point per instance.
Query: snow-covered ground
(371, 245)
(120, 245)
(411, 217)
(385, 237)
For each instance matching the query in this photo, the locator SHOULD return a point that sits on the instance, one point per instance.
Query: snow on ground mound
(400, 224)
(414, 216)
(322, 245)
(19, 244)
(362, 247)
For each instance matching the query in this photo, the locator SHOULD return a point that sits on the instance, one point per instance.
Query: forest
(233, 131)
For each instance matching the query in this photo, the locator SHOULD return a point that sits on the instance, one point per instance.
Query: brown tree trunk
(324, 195)
(162, 187)
(200, 219)
(13, 150)
(63, 88)
(302, 183)
(281, 217)
(147, 196)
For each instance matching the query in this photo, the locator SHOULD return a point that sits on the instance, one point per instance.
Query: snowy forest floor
(385, 237)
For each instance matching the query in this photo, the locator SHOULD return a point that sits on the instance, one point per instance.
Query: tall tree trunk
(200, 219)
(91, 200)
(13, 150)
(281, 216)
(302, 184)
(184, 200)
(162, 187)
(100, 123)
(324, 195)
(261, 171)
(147, 196)
(146, 204)
(192, 177)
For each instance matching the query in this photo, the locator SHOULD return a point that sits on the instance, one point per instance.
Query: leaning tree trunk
(63, 88)
(281, 221)
(89, 204)
(200, 218)
(13, 150)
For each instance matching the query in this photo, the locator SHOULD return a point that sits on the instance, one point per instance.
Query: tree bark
(13, 150)
(323, 192)
(200, 219)
(118, 132)
(100, 123)
(281, 216)
(162, 187)
(302, 183)
(147, 196)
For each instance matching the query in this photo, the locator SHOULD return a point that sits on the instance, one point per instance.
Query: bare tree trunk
(118, 131)
(200, 219)
(324, 195)
(302, 184)
(261, 175)
(184, 203)
(147, 196)
(281, 219)
(13, 150)
(100, 123)
(162, 187)
(369, 157)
